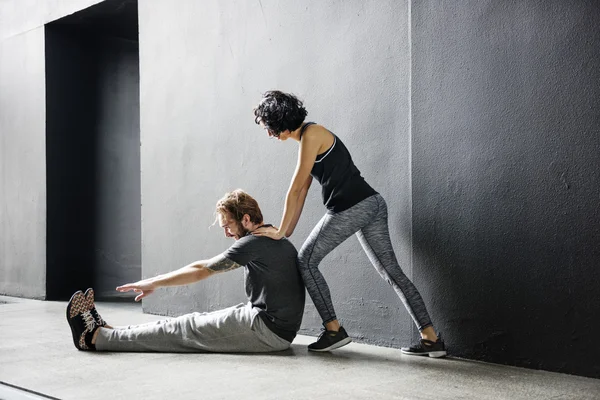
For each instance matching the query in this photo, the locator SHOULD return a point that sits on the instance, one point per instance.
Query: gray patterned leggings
(369, 220)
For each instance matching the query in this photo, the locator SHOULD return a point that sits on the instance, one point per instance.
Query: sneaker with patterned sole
(81, 321)
(89, 297)
(426, 347)
(330, 340)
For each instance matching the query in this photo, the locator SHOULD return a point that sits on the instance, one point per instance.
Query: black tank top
(341, 183)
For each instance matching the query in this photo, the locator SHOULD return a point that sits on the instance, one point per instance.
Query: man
(268, 322)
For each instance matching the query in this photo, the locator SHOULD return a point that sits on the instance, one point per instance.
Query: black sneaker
(89, 297)
(81, 321)
(427, 348)
(330, 340)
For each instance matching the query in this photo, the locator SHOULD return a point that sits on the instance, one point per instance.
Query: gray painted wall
(504, 111)
(22, 166)
(22, 142)
(18, 16)
(204, 66)
(506, 182)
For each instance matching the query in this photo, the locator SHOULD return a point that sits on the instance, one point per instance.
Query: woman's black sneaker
(427, 348)
(330, 340)
(81, 321)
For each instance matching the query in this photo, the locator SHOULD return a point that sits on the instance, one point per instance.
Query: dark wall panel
(71, 136)
(118, 212)
(506, 178)
(94, 227)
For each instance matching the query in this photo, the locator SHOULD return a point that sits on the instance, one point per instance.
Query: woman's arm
(300, 206)
(309, 148)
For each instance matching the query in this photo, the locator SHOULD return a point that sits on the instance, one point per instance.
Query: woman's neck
(296, 134)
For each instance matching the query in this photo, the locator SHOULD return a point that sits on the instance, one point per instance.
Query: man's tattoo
(221, 264)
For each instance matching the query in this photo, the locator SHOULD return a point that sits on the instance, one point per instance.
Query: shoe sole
(437, 354)
(334, 346)
(432, 354)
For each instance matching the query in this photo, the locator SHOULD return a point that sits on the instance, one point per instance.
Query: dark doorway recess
(93, 150)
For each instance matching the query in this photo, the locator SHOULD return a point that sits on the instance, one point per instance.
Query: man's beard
(243, 231)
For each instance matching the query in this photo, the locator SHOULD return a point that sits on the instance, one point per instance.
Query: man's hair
(238, 203)
(280, 111)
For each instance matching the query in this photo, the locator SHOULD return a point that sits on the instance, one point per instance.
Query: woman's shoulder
(315, 131)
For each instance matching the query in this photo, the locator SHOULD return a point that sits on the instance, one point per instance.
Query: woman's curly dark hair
(280, 111)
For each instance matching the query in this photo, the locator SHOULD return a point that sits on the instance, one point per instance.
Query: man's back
(273, 282)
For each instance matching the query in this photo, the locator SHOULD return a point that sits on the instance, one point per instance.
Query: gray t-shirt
(273, 282)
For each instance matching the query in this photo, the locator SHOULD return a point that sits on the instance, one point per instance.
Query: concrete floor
(37, 353)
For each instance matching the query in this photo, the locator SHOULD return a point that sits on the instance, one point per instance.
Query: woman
(353, 207)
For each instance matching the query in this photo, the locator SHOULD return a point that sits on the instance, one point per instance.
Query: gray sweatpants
(369, 220)
(236, 329)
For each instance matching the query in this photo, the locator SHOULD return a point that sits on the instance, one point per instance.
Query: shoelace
(88, 319)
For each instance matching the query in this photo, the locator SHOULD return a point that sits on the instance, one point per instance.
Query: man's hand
(270, 232)
(144, 288)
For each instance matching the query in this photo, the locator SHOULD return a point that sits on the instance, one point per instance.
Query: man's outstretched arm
(191, 273)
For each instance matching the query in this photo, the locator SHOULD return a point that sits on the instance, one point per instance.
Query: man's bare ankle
(95, 335)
